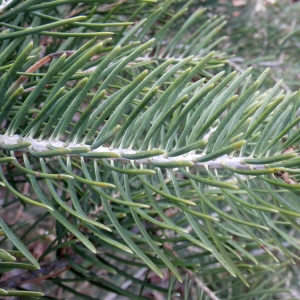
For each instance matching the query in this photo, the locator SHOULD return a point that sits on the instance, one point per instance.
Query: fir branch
(218, 163)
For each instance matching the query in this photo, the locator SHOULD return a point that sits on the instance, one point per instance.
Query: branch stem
(117, 154)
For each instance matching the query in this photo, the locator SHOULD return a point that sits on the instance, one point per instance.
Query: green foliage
(122, 128)
(263, 34)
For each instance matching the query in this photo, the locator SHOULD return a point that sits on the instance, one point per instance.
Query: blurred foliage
(262, 33)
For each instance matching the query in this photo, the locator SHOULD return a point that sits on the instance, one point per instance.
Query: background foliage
(142, 168)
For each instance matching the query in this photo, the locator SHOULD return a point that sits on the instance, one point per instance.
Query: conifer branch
(117, 154)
